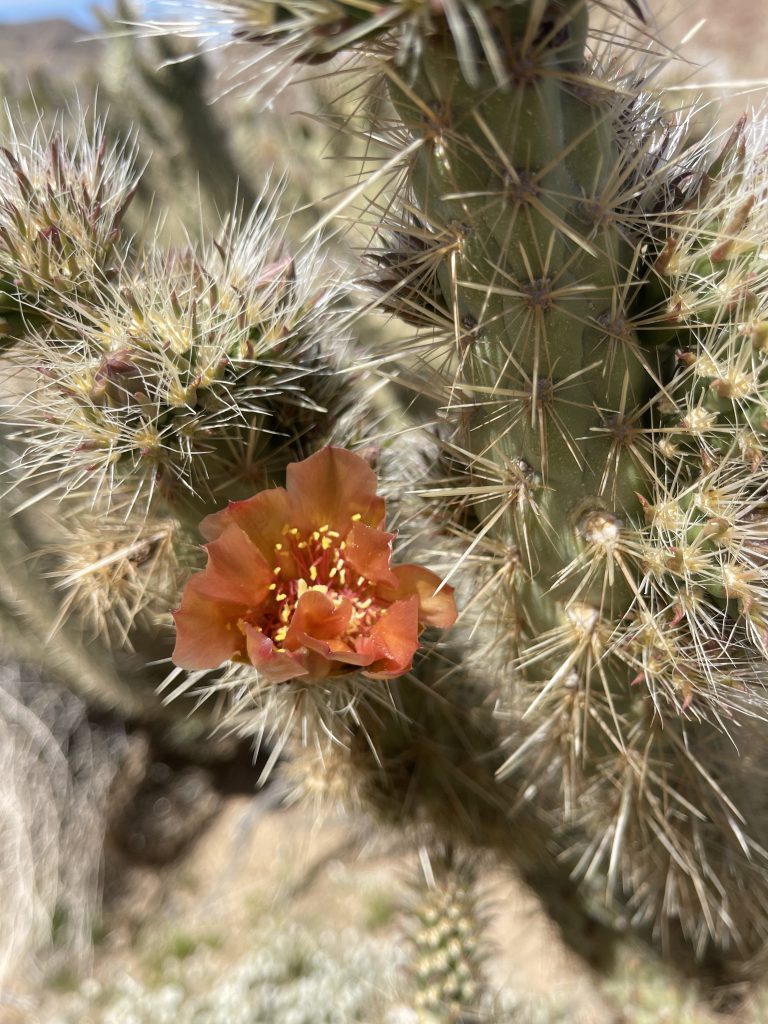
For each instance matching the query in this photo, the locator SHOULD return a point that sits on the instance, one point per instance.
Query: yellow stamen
(357, 517)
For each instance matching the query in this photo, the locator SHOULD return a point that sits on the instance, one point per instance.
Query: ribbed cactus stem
(520, 180)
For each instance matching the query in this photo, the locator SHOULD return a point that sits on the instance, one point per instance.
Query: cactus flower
(299, 581)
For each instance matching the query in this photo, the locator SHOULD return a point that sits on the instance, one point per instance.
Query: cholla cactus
(560, 238)
(588, 290)
(446, 932)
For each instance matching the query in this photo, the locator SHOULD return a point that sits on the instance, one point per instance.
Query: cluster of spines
(61, 212)
(116, 575)
(309, 34)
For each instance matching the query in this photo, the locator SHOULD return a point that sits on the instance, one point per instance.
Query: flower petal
(206, 629)
(368, 551)
(329, 488)
(436, 607)
(261, 518)
(395, 638)
(317, 617)
(236, 571)
(337, 652)
(276, 666)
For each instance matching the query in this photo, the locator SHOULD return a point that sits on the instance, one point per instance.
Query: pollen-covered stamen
(316, 562)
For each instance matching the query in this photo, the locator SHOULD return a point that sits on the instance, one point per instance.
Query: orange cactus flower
(299, 581)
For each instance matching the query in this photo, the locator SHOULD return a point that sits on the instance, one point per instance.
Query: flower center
(315, 562)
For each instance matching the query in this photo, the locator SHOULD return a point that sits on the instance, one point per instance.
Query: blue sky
(27, 10)
(78, 11)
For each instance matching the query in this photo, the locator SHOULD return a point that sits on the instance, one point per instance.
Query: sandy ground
(257, 862)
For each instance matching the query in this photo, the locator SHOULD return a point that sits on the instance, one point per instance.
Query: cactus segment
(61, 210)
(186, 380)
(547, 358)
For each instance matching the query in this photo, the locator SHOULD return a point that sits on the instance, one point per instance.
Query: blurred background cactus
(530, 291)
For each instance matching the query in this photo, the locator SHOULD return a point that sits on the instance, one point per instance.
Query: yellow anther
(334, 572)
(343, 577)
(293, 532)
(281, 596)
(325, 543)
(281, 634)
(277, 570)
(301, 587)
(362, 605)
(272, 586)
(313, 572)
(343, 546)
(357, 517)
(332, 533)
(360, 580)
(278, 547)
(302, 544)
(325, 528)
